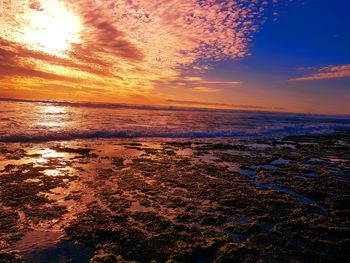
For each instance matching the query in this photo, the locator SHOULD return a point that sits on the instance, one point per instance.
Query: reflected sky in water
(52, 162)
(52, 116)
(38, 121)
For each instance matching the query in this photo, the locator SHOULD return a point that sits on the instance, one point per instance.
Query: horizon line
(111, 105)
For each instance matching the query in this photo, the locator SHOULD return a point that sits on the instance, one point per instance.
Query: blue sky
(305, 37)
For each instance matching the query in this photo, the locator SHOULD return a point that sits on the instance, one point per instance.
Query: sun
(52, 28)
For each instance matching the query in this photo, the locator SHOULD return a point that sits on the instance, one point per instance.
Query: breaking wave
(41, 121)
(159, 133)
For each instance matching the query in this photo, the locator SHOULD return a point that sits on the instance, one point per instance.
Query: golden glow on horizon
(51, 29)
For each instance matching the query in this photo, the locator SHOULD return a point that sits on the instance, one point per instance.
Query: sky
(277, 55)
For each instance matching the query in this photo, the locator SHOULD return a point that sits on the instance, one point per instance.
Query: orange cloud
(124, 46)
(205, 89)
(330, 72)
(222, 105)
(198, 84)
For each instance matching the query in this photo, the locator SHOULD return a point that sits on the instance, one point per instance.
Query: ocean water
(36, 121)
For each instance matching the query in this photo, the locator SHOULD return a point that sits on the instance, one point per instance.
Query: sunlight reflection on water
(53, 172)
(49, 153)
(46, 155)
(46, 121)
(52, 116)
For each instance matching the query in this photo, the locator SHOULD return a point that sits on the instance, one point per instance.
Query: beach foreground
(178, 200)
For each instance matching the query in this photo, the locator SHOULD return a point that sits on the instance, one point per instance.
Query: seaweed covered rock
(9, 257)
(233, 252)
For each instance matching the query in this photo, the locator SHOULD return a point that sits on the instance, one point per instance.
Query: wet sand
(111, 200)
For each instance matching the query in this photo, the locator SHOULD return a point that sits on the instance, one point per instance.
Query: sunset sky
(278, 55)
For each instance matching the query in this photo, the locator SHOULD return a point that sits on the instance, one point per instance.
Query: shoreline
(179, 200)
(197, 137)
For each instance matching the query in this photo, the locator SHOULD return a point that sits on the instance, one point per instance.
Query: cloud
(200, 80)
(225, 105)
(125, 46)
(102, 36)
(198, 84)
(11, 57)
(329, 72)
(36, 6)
(205, 89)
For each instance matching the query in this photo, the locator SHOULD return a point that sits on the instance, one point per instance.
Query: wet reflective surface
(48, 121)
(189, 200)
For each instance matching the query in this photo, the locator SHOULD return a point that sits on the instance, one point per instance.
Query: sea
(41, 121)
